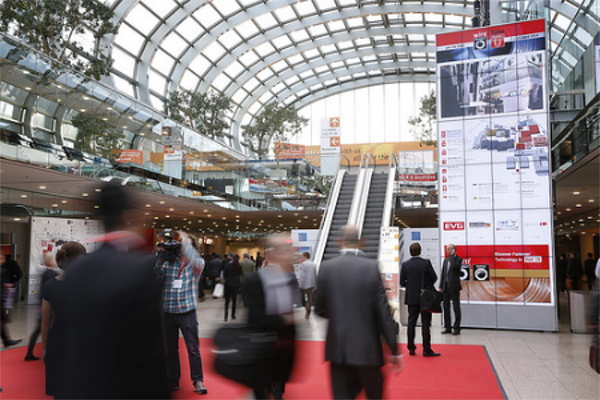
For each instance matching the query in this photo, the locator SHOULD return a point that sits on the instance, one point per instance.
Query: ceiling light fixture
(576, 193)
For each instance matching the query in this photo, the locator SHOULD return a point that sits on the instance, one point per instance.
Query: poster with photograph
(494, 171)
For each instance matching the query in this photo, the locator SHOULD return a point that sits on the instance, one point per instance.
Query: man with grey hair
(352, 297)
(450, 287)
(247, 265)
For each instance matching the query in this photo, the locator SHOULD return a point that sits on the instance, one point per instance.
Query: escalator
(373, 220)
(340, 216)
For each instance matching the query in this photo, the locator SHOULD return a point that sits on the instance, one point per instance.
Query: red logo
(443, 143)
(454, 226)
(444, 171)
(443, 161)
(443, 133)
(543, 223)
(444, 152)
(444, 179)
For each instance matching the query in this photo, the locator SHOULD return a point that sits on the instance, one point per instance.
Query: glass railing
(35, 126)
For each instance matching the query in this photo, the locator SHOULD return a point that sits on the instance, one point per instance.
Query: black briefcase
(431, 300)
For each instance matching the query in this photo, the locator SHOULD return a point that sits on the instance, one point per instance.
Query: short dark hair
(113, 201)
(306, 254)
(415, 249)
(590, 255)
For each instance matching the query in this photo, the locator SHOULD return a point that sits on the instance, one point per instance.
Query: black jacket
(352, 297)
(232, 276)
(113, 307)
(454, 263)
(416, 274)
(214, 268)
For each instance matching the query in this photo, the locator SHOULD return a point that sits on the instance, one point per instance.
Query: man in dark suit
(352, 297)
(450, 287)
(417, 273)
(113, 314)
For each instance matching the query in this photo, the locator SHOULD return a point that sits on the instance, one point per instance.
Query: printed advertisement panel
(495, 185)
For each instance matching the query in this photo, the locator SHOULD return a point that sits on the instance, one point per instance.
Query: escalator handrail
(327, 220)
(364, 201)
(394, 160)
(388, 205)
(365, 157)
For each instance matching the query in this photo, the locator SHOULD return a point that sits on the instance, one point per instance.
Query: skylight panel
(162, 7)
(345, 45)
(123, 61)
(247, 29)
(305, 8)
(330, 82)
(248, 59)
(285, 14)
(189, 80)
(295, 59)
(292, 81)
(189, 28)
(323, 68)
(344, 3)
(199, 65)
(253, 109)
(583, 36)
(355, 23)
(265, 74)
(129, 39)
(207, 16)
(174, 44)
(162, 61)
(412, 17)
(279, 66)
(142, 19)
(239, 96)
(156, 81)
(362, 42)
(316, 87)
(359, 75)
(265, 21)
(336, 65)
(251, 84)
(374, 19)
(336, 26)
(317, 30)
(221, 82)
(434, 18)
(302, 93)
(454, 19)
(312, 53)
(306, 74)
(353, 61)
(282, 42)
(230, 39)
(368, 59)
(265, 49)
(325, 4)
(234, 69)
(413, 37)
(300, 36)
(278, 88)
(122, 85)
(214, 51)
(226, 7)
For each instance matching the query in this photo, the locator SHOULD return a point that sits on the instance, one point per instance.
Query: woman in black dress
(53, 327)
(232, 274)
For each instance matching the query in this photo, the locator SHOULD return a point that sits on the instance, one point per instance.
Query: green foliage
(54, 27)
(97, 137)
(204, 112)
(275, 123)
(424, 124)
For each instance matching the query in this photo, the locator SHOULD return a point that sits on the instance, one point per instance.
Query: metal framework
(299, 51)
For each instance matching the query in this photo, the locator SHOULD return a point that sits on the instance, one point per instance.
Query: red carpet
(462, 372)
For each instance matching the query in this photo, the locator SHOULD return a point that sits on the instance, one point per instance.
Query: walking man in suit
(450, 287)
(416, 274)
(352, 297)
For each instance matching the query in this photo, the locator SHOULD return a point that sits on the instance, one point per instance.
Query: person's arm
(403, 275)
(321, 302)
(431, 273)
(191, 255)
(46, 321)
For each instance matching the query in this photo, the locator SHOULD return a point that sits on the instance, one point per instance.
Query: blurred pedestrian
(247, 264)
(10, 274)
(352, 297)
(307, 281)
(53, 325)
(590, 273)
(181, 271)
(214, 269)
(259, 260)
(417, 273)
(232, 274)
(51, 271)
(574, 270)
(271, 294)
(112, 305)
(562, 272)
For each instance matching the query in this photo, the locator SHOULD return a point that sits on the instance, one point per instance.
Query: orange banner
(287, 151)
(131, 156)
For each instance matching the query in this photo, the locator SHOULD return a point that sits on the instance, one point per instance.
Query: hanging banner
(494, 173)
(330, 145)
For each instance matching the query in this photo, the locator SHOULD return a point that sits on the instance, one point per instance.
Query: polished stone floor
(530, 365)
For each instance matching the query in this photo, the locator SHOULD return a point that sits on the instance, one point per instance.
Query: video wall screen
(494, 173)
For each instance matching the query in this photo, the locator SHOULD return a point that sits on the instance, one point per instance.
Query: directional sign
(334, 141)
(334, 122)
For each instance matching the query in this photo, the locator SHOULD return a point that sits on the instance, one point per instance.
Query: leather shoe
(31, 357)
(411, 352)
(11, 342)
(446, 331)
(431, 353)
(455, 333)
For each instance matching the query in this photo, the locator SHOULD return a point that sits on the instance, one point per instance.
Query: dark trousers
(348, 381)
(413, 315)
(230, 295)
(575, 283)
(453, 297)
(34, 336)
(188, 324)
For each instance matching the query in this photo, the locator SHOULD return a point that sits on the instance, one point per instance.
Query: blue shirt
(187, 269)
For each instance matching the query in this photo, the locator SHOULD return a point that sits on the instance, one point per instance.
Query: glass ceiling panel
(189, 28)
(129, 39)
(207, 16)
(227, 7)
(174, 44)
(142, 19)
(285, 14)
(162, 7)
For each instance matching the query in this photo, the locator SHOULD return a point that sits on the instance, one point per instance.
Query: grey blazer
(351, 295)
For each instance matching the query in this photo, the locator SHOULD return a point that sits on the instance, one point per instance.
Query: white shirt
(308, 275)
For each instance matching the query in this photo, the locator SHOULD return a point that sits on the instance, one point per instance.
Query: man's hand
(440, 290)
(397, 363)
(184, 237)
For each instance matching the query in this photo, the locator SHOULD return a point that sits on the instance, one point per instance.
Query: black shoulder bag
(431, 299)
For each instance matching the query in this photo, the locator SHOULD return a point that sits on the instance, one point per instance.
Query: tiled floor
(531, 365)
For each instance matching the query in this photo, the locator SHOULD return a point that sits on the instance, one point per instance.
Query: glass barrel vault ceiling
(296, 51)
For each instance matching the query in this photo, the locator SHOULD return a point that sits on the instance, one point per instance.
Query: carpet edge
(504, 395)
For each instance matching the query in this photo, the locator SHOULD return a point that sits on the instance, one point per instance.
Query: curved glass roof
(300, 51)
